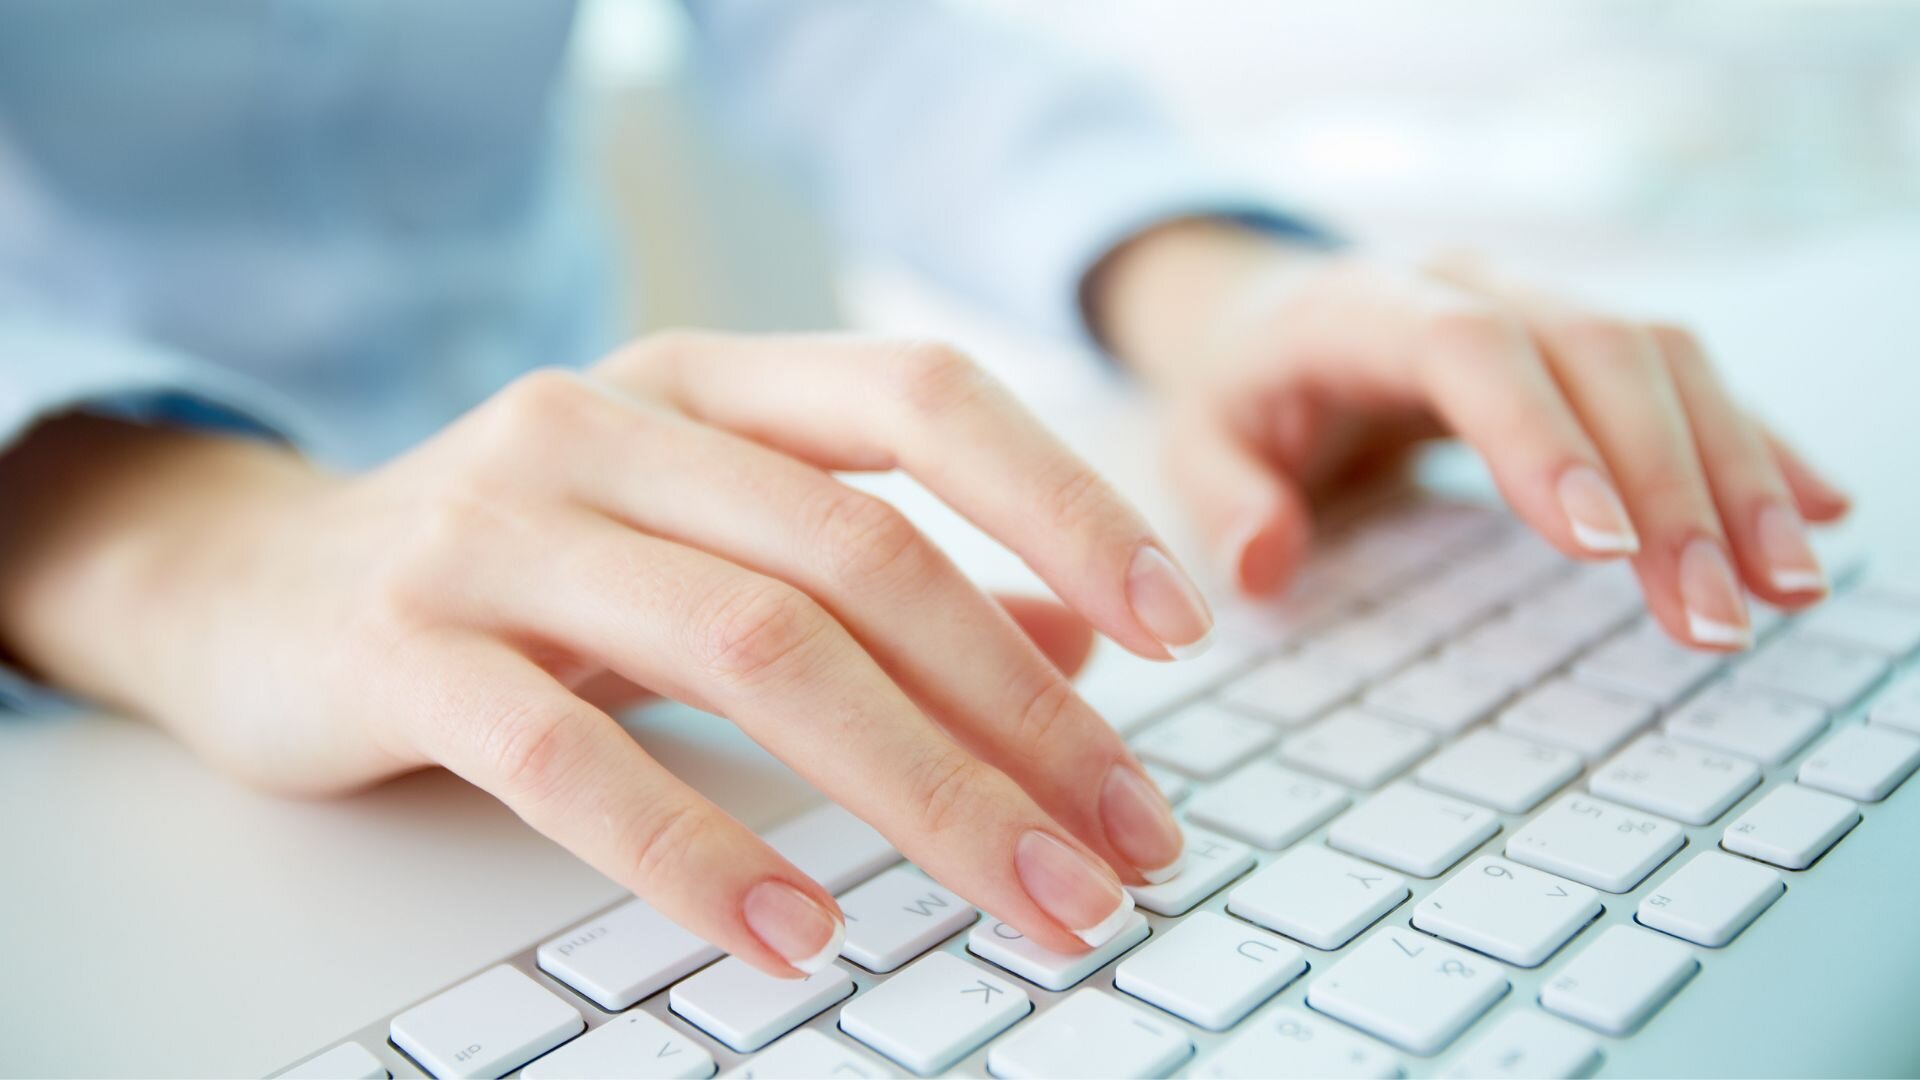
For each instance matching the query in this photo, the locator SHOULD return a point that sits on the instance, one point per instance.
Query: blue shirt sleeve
(993, 165)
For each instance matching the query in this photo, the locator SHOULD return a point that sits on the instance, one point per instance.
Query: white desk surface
(157, 920)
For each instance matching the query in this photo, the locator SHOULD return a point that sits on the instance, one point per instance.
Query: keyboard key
(1825, 672)
(1210, 970)
(1588, 604)
(899, 915)
(626, 955)
(1203, 740)
(1267, 804)
(934, 1013)
(1519, 650)
(348, 1061)
(1528, 1045)
(633, 1043)
(1862, 762)
(831, 846)
(809, 1053)
(1413, 831)
(1620, 980)
(746, 1009)
(1867, 620)
(1498, 770)
(1754, 723)
(1171, 784)
(1317, 896)
(1370, 645)
(489, 1025)
(1643, 662)
(1444, 696)
(1791, 826)
(1595, 843)
(1899, 707)
(1091, 1034)
(1288, 1043)
(1664, 777)
(1508, 911)
(1356, 748)
(1711, 899)
(1211, 861)
(1574, 716)
(998, 943)
(1407, 988)
(1291, 689)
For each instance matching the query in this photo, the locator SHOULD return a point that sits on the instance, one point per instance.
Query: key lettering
(1245, 945)
(985, 989)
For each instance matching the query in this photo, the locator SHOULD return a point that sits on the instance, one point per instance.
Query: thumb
(1065, 637)
(1254, 517)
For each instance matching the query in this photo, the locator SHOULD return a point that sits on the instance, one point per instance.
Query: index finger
(927, 409)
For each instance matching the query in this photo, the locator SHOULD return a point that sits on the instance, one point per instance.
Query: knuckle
(542, 404)
(1603, 341)
(1077, 495)
(1048, 708)
(522, 749)
(933, 377)
(757, 629)
(663, 844)
(864, 539)
(661, 350)
(948, 789)
(1470, 334)
(411, 579)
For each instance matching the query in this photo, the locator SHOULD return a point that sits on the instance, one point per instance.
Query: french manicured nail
(1595, 513)
(1080, 894)
(1791, 564)
(1140, 824)
(1166, 602)
(794, 925)
(1716, 612)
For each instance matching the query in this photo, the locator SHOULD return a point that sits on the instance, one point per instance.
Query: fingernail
(1716, 612)
(1595, 513)
(1167, 604)
(794, 925)
(1791, 564)
(1140, 824)
(1081, 894)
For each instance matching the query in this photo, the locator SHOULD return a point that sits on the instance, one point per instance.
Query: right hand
(665, 520)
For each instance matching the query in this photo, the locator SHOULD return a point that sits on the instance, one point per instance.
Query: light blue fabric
(346, 221)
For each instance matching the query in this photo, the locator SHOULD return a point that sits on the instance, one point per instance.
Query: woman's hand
(1287, 369)
(665, 521)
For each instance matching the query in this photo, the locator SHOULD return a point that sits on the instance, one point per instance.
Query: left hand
(1286, 369)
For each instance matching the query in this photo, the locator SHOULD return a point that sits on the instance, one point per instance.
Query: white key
(1577, 717)
(1506, 910)
(1091, 1034)
(1413, 831)
(899, 915)
(1267, 804)
(1371, 644)
(634, 1043)
(1499, 770)
(1644, 663)
(998, 943)
(1528, 1045)
(1440, 695)
(1899, 707)
(1711, 899)
(1312, 602)
(1445, 606)
(1212, 860)
(1203, 740)
(1514, 649)
(1356, 748)
(1675, 780)
(1791, 826)
(1210, 970)
(626, 955)
(348, 1061)
(1595, 842)
(1588, 603)
(1825, 672)
(1744, 720)
(809, 1054)
(1862, 762)
(934, 1013)
(1317, 896)
(746, 1009)
(1868, 620)
(832, 847)
(489, 1025)
(1171, 784)
(1289, 1043)
(1291, 689)
(1614, 984)
(1407, 988)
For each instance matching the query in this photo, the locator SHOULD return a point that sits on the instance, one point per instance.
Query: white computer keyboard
(1463, 811)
